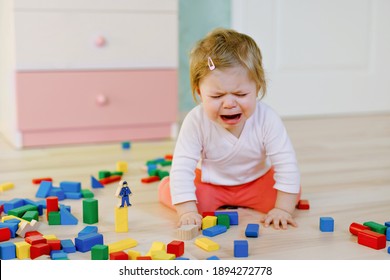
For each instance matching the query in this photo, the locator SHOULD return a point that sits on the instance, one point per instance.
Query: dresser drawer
(75, 40)
(79, 100)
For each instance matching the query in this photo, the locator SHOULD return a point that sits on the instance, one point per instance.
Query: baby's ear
(199, 94)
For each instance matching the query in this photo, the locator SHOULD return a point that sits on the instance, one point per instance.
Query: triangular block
(66, 217)
(95, 183)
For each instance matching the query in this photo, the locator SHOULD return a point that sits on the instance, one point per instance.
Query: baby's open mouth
(231, 117)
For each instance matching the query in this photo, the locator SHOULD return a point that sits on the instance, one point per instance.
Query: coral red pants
(258, 194)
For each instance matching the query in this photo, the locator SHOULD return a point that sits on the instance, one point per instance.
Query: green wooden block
(117, 173)
(87, 193)
(161, 174)
(379, 228)
(223, 220)
(90, 211)
(19, 212)
(104, 174)
(31, 215)
(54, 218)
(153, 172)
(99, 252)
(166, 163)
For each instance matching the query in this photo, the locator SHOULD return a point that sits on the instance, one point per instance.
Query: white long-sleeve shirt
(229, 161)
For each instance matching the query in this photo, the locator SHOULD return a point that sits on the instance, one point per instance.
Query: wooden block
(303, 204)
(206, 244)
(122, 245)
(133, 255)
(6, 186)
(187, 232)
(156, 246)
(372, 239)
(22, 250)
(209, 221)
(121, 219)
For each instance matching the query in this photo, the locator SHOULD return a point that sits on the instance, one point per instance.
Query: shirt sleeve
(281, 153)
(186, 156)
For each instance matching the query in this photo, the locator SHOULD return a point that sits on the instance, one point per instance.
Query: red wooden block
(5, 234)
(54, 244)
(38, 250)
(1, 208)
(205, 214)
(355, 228)
(144, 258)
(31, 233)
(168, 157)
(119, 256)
(150, 179)
(372, 239)
(176, 247)
(51, 205)
(39, 180)
(35, 239)
(111, 179)
(303, 204)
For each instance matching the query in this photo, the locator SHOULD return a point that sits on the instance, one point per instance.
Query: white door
(321, 57)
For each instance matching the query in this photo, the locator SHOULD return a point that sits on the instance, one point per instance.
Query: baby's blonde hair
(226, 48)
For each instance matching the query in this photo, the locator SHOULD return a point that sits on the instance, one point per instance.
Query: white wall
(322, 57)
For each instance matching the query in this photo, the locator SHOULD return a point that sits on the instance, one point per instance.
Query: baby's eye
(216, 96)
(241, 94)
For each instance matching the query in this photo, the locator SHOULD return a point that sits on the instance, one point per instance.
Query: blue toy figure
(124, 192)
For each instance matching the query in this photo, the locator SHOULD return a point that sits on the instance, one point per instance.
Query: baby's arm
(281, 215)
(188, 214)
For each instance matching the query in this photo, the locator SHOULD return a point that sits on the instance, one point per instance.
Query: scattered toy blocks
(86, 242)
(372, 239)
(326, 224)
(206, 244)
(252, 230)
(240, 248)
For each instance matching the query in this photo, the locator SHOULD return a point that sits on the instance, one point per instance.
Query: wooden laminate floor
(345, 166)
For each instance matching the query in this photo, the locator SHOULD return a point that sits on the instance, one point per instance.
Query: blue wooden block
(95, 184)
(86, 242)
(68, 186)
(44, 189)
(215, 230)
(68, 246)
(387, 224)
(388, 250)
(55, 251)
(73, 195)
(182, 259)
(252, 230)
(66, 217)
(233, 215)
(388, 234)
(213, 258)
(126, 145)
(58, 255)
(7, 251)
(12, 204)
(58, 192)
(326, 224)
(240, 248)
(88, 230)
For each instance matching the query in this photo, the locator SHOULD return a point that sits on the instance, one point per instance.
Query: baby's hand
(278, 217)
(190, 218)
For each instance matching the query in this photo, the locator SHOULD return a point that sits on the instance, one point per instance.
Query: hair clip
(211, 64)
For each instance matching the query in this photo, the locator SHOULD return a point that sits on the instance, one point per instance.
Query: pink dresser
(90, 72)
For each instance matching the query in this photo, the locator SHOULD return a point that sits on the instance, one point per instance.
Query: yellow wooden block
(121, 166)
(6, 186)
(209, 221)
(133, 254)
(206, 244)
(50, 237)
(9, 217)
(156, 246)
(162, 255)
(22, 250)
(122, 245)
(121, 219)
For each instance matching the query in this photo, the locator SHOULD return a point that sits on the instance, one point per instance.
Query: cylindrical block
(90, 211)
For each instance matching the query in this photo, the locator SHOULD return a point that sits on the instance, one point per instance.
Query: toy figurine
(124, 192)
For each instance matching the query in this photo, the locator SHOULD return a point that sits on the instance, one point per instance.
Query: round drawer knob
(100, 41)
(101, 100)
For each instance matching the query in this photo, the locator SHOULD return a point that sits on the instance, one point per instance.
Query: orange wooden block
(39, 180)
(111, 179)
(120, 255)
(150, 179)
(149, 258)
(303, 204)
